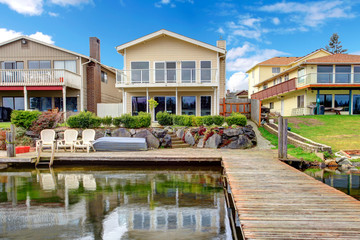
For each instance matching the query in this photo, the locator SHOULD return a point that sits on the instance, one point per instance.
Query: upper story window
(272, 105)
(286, 77)
(140, 72)
(279, 80)
(165, 72)
(188, 71)
(301, 75)
(39, 64)
(12, 65)
(265, 86)
(205, 71)
(69, 65)
(356, 74)
(104, 77)
(343, 74)
(275, 70)
(325, 74)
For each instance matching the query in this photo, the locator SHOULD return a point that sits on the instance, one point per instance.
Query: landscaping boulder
(132, 132)
(60, 135)
(166, 141)
(31, 134)
(151, 140)
(120, 132)
(189, 138)
(201, 143)
(214, 141)
(180, 133)
(242, 143)
(232, 132)
(159, 133)
(169, 129)
(248, 131)
(343, 161)
(99, 133)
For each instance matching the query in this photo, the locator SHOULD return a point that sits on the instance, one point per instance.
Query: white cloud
(237, 52)
(276, 21)
(8, 34)
(70, 2)
(220, 30)
(311, 14)
(237, 81)
(52, 14)
(42, 37)
(250, 22)
(171, 3)
(26, 7)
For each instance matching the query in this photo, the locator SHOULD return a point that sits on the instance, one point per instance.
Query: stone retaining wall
(301, 141)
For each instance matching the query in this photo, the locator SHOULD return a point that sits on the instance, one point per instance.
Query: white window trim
(211, 104)
(206, 80)
(195, 103)
(139, 69)
(272, 70)
(165, 104)
(165, 71)
(181, 80)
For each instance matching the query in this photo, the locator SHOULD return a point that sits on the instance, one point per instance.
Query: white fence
(109, 109)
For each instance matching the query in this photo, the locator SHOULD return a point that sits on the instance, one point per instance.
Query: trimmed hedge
(142, 120)
(84, 120)
(107, 121)
(164, 118)
(236, 119)
(24, 119)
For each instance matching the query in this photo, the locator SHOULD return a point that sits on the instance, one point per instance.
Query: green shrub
(164, 118)
(140, 121)
(117, 121)
(84, 120)
(218, 120)
(198, 121)
(144, 119)
(107, 121)
(24, 119)
(183, 120)
(208, 120)
(236, 119)
(47, 120)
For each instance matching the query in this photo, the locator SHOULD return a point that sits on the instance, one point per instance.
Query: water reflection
(110, 203)
(347, 182)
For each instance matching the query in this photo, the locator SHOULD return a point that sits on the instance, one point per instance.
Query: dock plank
(276, 201)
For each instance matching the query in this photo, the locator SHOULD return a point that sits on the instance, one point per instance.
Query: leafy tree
(335, 45)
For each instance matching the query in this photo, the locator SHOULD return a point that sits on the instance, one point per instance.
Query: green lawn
(5, 125)
(341, 132)
(296, 152)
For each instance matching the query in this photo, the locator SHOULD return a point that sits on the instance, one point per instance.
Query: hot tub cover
(112, 144)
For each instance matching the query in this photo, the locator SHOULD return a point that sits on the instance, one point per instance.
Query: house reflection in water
(113, 204)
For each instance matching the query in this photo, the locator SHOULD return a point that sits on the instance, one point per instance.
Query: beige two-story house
(41, 76)
(185, 76)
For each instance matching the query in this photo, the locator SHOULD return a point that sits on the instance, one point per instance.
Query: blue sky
(254, 30)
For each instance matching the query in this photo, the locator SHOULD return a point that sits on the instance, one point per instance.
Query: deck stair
(178, 142)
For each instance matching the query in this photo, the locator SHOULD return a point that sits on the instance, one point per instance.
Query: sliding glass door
(356, 104)
(166, 104)
(188, 105)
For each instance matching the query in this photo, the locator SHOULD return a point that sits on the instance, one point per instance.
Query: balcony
(54, 77)
(166, 77)
(280, 88)
(326, 79)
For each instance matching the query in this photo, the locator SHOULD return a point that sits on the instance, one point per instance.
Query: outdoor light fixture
(23, 41)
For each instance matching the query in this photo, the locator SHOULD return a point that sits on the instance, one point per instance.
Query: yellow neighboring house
(185, 76)
(318, 83)
(35, 75)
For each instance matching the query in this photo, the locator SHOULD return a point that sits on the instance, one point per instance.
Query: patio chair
(88, 137)
(70, 136)
(47, 139)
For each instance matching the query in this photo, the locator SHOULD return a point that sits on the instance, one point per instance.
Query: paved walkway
(262, 143)
(276, 201)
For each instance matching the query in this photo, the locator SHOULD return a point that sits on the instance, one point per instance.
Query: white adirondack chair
(47, 140)
(70, 136)
(88, 137)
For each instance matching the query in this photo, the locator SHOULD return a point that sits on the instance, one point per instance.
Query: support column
(125, 103)
(176, 102)
(123, 100)
(350, 98)
(26, 106)
(214, 102)
(64, 101)
(318, 102)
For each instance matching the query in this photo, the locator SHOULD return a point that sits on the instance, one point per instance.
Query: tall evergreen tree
(335, 45)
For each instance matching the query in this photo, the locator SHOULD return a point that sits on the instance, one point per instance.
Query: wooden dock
(276, 201)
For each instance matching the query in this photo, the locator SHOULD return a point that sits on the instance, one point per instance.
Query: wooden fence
(235, 105)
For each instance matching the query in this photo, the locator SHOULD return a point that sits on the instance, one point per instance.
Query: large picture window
(71, 104)
(138, 105)
(165, 72)
(40, 103)
(15, 103)
(326, 100)
(205, 71)
(356, 104)
(140, 72)
(188, 105)
(356, 74)
(69, 65)
(205, 104)
(325, 74)
(342, 100)
(343, 74)
(188, 73)
(39, 65)
(165, 104)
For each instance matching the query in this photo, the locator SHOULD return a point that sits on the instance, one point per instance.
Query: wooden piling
(10, 141)
(280, 137)
(284, 140)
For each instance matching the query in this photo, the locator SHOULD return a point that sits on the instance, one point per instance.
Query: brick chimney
(93, 77)
(95, 48)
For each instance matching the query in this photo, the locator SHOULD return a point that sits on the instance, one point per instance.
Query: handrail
(280, 88)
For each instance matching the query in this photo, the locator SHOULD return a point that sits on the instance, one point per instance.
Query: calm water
(113, 203)
(346, 182)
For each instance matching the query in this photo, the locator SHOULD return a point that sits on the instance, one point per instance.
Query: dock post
(280, 137)
(284, 140)
(10, 141)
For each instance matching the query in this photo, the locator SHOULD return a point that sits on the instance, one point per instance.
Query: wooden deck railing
(226, 108)
(283, 87)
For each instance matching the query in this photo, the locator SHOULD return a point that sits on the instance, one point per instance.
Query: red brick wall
(93, 86)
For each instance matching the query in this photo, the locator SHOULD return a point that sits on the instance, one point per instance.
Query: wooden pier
(276, 201)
